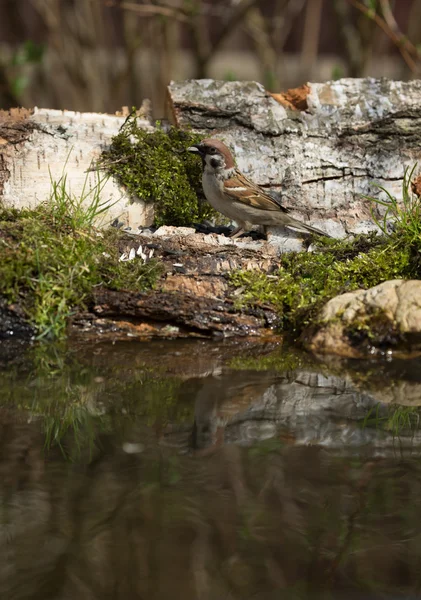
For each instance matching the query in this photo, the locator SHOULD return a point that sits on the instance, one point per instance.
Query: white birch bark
(41, 145)
(322, 157)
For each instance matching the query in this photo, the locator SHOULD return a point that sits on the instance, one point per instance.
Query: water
(204, 470)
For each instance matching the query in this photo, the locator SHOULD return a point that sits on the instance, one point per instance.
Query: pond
(207, 470)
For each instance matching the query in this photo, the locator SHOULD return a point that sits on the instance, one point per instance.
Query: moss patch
(307, 280)
(374, 330)
(156, 167)
(50, 266)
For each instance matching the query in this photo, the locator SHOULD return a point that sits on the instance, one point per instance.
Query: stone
(166, 231)
(387, 316)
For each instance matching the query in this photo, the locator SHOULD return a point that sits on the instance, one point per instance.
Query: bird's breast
(213, 186)
(213, 189)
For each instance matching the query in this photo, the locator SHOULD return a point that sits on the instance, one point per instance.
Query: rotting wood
(193, 298)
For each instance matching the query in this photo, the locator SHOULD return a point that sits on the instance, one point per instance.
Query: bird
(231, 193)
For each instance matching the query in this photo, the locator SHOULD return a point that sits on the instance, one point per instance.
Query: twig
(404, 46)
(283, 27)
(150, 9)
(311, 35)
(234, 19)
(257, 27)
(351, 523)
(351, 37)
(414, 22)
(392, 24)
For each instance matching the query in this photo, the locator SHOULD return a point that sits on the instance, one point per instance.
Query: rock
(13, 324)
(387, 316)
(15, 332)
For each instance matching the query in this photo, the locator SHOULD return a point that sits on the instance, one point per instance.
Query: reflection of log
(301, 406)
(322, 145)
(234, 402)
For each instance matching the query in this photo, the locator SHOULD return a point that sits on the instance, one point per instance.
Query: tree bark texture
(194, 296)
(322, 146)
(42, 145)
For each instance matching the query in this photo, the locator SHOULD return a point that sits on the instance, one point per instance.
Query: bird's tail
(303, 227)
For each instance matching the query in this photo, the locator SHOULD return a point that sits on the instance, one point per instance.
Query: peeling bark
(321, 146)
(43, 144)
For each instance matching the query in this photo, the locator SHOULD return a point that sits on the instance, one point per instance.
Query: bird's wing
(239, 188)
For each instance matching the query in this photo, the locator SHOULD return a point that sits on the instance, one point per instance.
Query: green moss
(307, 280)
(156, 167)
(51, 267)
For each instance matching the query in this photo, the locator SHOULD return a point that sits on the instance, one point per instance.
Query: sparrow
(230, 192)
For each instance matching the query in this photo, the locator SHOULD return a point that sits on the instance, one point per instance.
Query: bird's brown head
(214, 154)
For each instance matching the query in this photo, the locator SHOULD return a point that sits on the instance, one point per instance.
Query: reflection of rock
(223, 397)
(403, 393)
(387, 315)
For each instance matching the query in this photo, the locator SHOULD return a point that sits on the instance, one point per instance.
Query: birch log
(40, 145)
(321, 146)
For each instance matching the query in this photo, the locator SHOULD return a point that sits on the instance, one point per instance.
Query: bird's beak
(197, 148)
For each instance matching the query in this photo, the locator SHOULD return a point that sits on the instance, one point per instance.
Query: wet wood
(194, 296)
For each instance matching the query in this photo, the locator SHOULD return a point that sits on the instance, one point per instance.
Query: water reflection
(204, 471)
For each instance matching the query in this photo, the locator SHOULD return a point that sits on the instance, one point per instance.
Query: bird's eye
(212, 150)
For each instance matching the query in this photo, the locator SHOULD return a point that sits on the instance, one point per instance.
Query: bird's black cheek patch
(214, 163)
